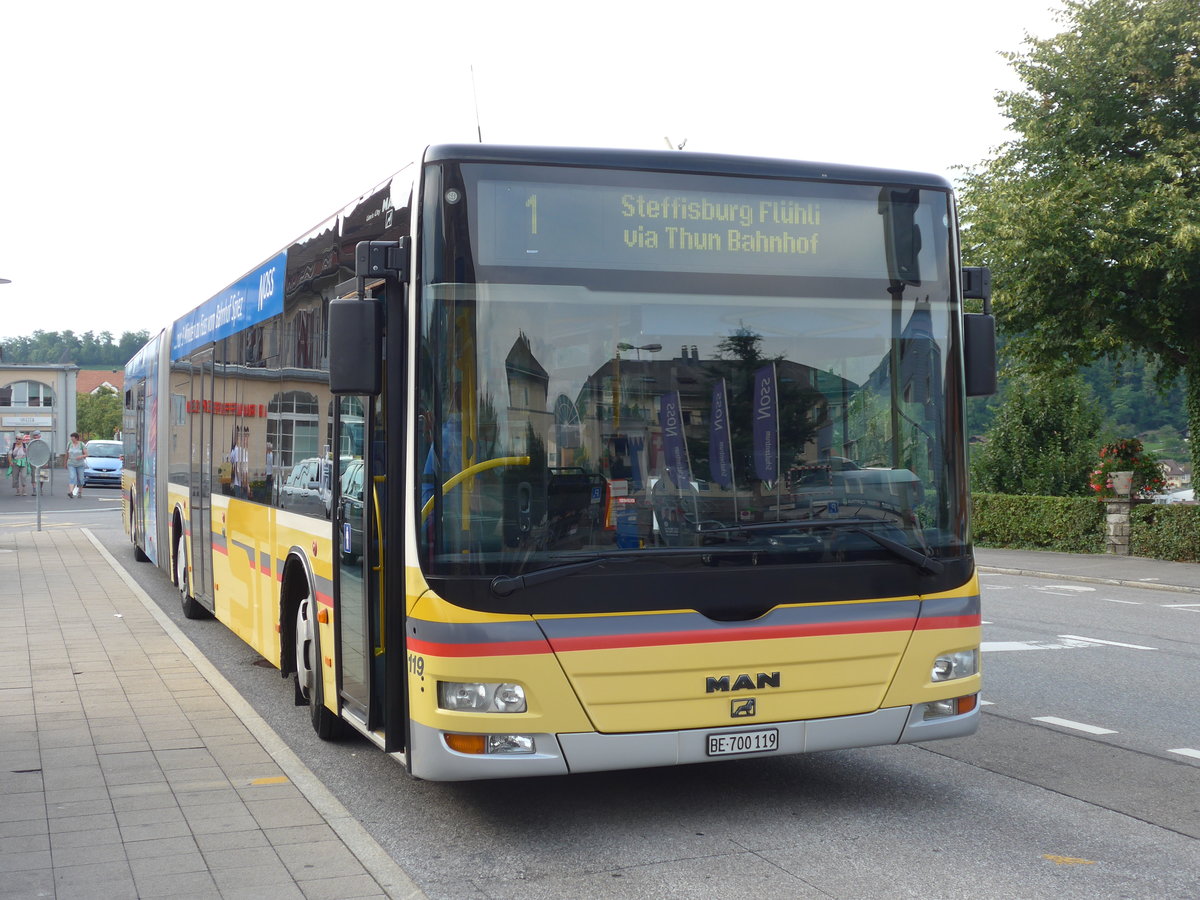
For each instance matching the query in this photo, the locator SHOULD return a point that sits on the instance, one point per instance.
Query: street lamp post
(649, 348)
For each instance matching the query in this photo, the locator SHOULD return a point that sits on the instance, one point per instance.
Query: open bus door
(358, 584)
(369, 532)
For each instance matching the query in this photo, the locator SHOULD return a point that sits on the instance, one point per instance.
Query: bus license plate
(735, 742)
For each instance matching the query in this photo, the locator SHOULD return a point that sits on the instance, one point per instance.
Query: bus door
(200, 476)
(137, 506)
(358, 493)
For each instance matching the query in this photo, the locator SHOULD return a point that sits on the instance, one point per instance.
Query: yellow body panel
(664, 688)
(675, 670)
(912, 683)
(244, 589)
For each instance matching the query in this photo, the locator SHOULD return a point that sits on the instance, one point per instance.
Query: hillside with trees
(87, 351)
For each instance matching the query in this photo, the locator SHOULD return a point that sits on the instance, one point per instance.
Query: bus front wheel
(308, 672)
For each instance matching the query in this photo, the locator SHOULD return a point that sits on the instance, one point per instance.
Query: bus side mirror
(356, 346)
(979, 352)
(979, 333)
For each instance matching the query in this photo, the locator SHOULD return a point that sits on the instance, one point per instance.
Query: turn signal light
(467, 743)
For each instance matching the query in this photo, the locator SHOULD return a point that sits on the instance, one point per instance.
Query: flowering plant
(1128, 456)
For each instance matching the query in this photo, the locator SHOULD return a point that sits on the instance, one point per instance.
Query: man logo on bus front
(741, 709)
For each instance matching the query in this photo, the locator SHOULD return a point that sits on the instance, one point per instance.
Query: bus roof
(680, 161)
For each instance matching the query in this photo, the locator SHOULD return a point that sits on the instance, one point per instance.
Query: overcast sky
(152, 152)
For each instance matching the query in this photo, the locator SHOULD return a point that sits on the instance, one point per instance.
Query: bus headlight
(959, 664)
(476, 696)
(490, 744)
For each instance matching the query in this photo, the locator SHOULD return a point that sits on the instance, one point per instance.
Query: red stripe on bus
(765, 633)
(498, 648)
(658, 639)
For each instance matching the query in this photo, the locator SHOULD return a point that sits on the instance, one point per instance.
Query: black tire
(192, 608)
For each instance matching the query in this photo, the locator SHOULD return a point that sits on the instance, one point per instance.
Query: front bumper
(594, 752)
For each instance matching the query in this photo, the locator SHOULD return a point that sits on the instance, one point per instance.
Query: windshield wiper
(788, 524)
(927, 564)
(505, 585)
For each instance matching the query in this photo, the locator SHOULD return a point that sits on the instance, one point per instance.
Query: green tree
(1090, 216)
(98, 415)
(1043, 440)
(61, 348)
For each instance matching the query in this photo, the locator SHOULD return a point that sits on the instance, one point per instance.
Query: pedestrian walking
(20, 464)
(76, 457)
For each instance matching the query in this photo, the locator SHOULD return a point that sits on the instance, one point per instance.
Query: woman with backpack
(20, 465)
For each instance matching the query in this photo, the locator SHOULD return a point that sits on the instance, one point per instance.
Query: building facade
(38, 398)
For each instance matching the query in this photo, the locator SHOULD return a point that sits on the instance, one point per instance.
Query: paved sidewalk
(130, 768)
(1130, 571)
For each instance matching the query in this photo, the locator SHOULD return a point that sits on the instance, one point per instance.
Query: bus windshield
(668, 367)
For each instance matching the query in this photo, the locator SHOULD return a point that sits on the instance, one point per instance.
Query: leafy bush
(1042, 440)
(1063, 524)
(1166, 531)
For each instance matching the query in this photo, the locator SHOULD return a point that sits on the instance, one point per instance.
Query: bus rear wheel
(308, 672)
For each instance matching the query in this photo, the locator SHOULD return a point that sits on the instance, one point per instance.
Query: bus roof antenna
(475, 94)
(671, 146)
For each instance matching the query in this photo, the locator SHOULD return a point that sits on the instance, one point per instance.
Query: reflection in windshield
(557, 421)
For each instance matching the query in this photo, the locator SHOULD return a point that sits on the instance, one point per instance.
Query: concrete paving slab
(129, 767)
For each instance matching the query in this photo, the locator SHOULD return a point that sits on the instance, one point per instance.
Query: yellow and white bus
(534, 461)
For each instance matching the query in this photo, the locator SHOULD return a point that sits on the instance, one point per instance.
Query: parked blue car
(103, 463)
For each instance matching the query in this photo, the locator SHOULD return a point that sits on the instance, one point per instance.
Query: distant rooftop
(88, 381)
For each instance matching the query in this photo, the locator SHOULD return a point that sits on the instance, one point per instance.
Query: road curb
(1090, 579)
(390, 876)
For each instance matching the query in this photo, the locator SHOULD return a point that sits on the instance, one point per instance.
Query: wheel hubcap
(304, 638)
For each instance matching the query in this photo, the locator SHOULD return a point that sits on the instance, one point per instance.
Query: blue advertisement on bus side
(254, 298)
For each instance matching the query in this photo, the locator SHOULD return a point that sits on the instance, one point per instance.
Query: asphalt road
(1027, 808)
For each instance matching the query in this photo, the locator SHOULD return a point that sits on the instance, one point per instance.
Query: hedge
(1064, 524)
(1077, 525)
(1170, 531)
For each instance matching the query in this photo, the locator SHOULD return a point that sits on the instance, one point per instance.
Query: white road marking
(1076, 637)
(1130, 602)
(1078, 726)
(996, 646)
(1186, 751)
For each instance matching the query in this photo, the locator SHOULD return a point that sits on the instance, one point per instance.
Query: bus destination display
(828, 231)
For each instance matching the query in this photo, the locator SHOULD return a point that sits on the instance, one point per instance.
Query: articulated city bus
(535, 461)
